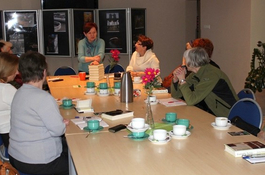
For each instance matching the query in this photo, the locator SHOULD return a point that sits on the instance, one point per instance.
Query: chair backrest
(246, 93)
(65, 70)
(116, 68)
(3, 151)
(248, 110)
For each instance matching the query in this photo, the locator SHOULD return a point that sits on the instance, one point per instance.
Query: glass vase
(149, 114)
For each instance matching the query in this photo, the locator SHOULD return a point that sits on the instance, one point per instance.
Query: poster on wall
(1, 25)
(138, 25)
(80, 18)
(112, 25)
(56, 32)
(21, 29)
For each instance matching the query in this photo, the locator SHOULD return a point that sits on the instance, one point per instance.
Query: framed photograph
(112, 26)
(56, 32)
(138, 25)
(21, 29)
(1, 25)
(80, 18)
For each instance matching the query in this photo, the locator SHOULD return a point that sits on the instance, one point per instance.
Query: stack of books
(96, 72)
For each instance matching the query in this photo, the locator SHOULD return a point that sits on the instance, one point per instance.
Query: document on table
(172, 102)
(81, 122)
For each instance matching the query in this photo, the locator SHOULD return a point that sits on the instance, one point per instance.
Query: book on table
(245, 148)
(117, 114)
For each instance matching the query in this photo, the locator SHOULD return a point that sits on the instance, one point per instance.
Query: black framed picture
(138, 25)
(112, 25)
(80, 18)
(56, 32)
(21, 29)
(1, 25)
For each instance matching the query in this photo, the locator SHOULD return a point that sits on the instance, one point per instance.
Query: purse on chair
(237, 121)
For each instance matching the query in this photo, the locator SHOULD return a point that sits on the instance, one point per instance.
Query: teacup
(103, 91)
(82, 76)
(179, 130)
(160, 134)
(136, 79)
(138, 134)
(138, 123)
(90, 84)
(90, 90)
(117, 85)
(67, 102)
(221, 121)
(152, 98)
(171, 116)
(116, 91)
(103, 86)
(93, 124)
(185, 122)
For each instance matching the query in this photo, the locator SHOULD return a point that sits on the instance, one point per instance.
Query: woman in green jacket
(206, 84)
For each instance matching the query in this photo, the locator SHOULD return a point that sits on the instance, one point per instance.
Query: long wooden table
(110, 153)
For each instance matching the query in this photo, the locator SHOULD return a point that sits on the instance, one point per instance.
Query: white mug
(90, 90)
(138, 123)
(152, 98)
(160, 134)
(221, 121)
(103, 91)
(136, 79)
(179, 130)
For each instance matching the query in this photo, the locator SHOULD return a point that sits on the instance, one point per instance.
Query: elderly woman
(8, 71)
(205, 83)
(143, 57)
(91, 49)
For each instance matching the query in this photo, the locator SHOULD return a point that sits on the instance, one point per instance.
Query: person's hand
(179, 74)
(97, 58)
(261, 135)
(66, 121)
(94, 63)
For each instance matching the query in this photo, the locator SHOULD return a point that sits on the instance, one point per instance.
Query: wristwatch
(182, 81)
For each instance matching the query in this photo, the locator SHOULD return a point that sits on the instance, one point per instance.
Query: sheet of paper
(171, 102)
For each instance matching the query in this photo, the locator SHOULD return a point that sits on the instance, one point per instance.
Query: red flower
(115, 55)
(150, 79)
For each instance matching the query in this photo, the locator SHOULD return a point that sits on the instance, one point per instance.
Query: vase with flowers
(113, 61)
(150, 81)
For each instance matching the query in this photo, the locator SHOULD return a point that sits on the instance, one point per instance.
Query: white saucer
(103, 95)
(187, 134)
(152, 103)
(151, 139)
(90, 93)
(221, 127)
(137, 82)
(146, 127)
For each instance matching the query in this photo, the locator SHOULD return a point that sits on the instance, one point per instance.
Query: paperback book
(117, 114)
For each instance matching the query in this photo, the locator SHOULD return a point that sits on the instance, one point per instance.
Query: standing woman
(91, 50)
(8, 71)
(143, 57)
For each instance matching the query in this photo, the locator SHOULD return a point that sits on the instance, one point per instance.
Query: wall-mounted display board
(1, 25)
(68, 4)
(113, 29)
(56, 32)
(21, 29)
(81, 17)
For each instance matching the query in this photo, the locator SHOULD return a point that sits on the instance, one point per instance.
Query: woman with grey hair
(205, 84)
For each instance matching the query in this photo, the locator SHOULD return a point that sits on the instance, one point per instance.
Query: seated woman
(91, 49)
(143, 57)
(8, 71)
(205, 83)
(37, 126)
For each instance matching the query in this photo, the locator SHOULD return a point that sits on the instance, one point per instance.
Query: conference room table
(104, 152)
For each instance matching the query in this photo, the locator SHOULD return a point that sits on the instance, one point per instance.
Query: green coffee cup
(67, 102)
(185, 122)
(138, 134)
(171, 116)
(103, 86)
(90, 84)
(93, 124)
(117, 85)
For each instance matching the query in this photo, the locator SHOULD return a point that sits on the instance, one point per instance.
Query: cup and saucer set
(103, 90)
(67, 104)
(138, 128)
(179, 132)
(137, 80)
(90, 88)
(117, 88)
(153, 100)
(160, 136)
(93, 126)
(221, 123)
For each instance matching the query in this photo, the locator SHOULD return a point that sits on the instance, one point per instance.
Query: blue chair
(248, 110)
(246, 93)
(3, 151)
(65, 70)
(116, 68)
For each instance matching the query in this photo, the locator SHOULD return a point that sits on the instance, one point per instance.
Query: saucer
(90, 93)
(151, 139)
(137, 138)
(146, 126)
(165, 121)
(137, 82)
(221, 127)
(187, 134)
(152, 102)
(67, 107)
(103, 95)
(94, 130)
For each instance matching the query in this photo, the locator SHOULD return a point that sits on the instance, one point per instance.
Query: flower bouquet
(114, 58)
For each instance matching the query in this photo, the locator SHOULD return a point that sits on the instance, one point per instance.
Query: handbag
(240, 123)
(7, 168)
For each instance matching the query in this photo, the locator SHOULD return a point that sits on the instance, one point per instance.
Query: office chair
(248, 110)
(65, 70)
(116, 68)
(246, 93)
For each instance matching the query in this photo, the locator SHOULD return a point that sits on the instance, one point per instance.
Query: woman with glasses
(143, 57)
(91, 49)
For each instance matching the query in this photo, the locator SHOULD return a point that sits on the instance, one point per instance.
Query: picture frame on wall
(56, 32)
(81, 16)
(112, 26)
(21, 29)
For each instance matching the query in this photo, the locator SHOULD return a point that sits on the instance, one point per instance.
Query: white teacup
(138, 123)
(221, 121)
(160, 134)
(136, 79)
(103, 91)
(116, 91)
(179, 130)
(152, 98)
(90, 90)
